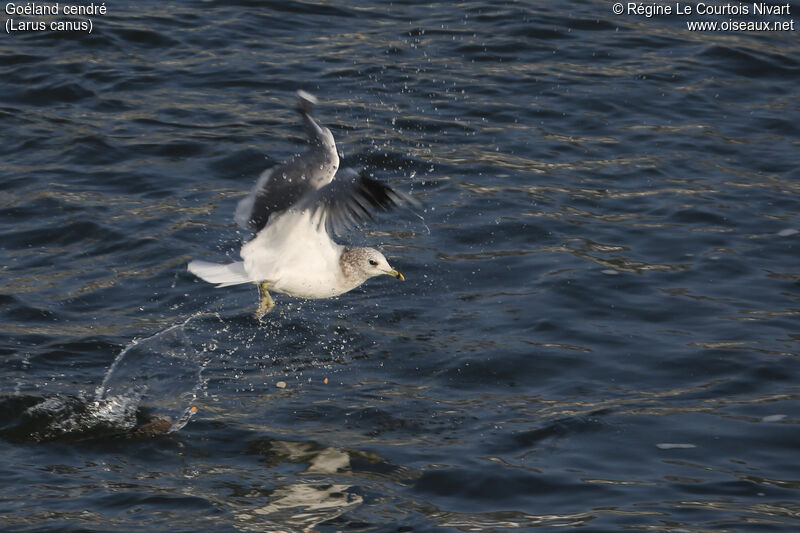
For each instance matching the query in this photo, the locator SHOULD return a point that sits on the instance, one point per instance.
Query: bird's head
(376, 265)
(360, 264)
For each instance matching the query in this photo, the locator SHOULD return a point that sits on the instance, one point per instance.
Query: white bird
(294, 207)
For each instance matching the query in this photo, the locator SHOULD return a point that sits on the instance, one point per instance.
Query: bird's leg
(265, 303)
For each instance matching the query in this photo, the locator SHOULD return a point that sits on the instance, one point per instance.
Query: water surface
(599, 326)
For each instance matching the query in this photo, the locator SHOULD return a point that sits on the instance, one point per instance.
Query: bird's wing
(350, 199)
(282, 186)
(278, 189)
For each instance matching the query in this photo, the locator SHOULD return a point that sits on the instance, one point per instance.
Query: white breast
(296, 256)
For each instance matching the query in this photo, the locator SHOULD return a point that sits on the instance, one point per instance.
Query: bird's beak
(395, 274)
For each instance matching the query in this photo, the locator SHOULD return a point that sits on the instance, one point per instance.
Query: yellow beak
(396, 274)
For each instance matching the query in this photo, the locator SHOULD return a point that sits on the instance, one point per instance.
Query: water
(163, 372)
(599, 327)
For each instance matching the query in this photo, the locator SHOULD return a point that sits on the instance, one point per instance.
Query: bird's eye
(373, 262)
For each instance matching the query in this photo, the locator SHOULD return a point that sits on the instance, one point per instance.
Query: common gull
(294, 208)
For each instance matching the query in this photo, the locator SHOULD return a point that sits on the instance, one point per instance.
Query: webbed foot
(265, 303)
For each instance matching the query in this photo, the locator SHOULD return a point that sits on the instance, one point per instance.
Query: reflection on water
(299, 507)
(303, 506)
(505, 519)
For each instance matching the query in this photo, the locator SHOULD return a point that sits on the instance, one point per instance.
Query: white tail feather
(222, 275)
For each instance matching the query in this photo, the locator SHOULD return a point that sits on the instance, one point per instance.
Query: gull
(294, 208)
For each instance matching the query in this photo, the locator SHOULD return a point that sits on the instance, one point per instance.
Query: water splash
(149, 389)
(161, 374)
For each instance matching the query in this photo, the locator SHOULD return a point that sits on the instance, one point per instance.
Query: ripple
(603, 274)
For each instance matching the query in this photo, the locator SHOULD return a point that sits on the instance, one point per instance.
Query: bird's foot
(265, 303)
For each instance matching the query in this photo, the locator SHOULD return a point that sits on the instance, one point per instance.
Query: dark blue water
(600, 323)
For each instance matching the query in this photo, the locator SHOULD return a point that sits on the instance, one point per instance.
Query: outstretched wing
(350, 199)
(277, 189)
(282, 186)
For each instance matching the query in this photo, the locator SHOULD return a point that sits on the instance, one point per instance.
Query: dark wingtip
(356, 196)
(379, 194)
